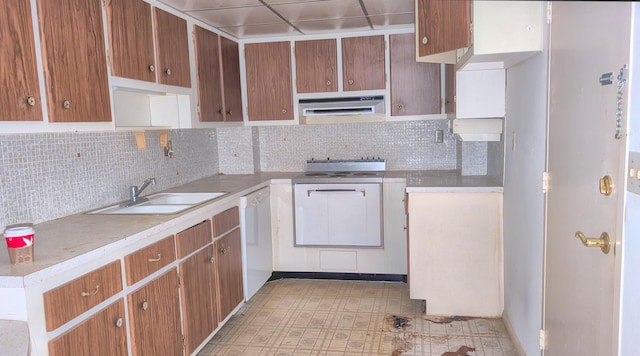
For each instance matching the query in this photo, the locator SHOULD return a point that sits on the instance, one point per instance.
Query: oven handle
(364, 193)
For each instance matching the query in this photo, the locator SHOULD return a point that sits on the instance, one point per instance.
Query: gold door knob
(119, 323)
(152, 68)
(223, 250)
(284, 111)
(66, 104)
(31, 101)
(606, 185)
(603, 241)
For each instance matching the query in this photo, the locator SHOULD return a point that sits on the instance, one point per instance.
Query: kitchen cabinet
(217, 63)
(74, 60)
(316, 66)
(476, 34)
(148, 260)
(172, 49)
(480, 93)
(131, 39)
(268, 79)
(450, 88)
(197, 276)
(455, 252)
(154, 317)
(228, 257)
(363, 65)
(20, 97)
(415, 86)
(106, 330)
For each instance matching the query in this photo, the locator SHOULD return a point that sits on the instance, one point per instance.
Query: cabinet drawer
(193, 238)
(149, 259)
(102, 334)
(226, 221)
(83, 293)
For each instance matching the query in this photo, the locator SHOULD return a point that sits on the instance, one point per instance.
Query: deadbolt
(606, 185)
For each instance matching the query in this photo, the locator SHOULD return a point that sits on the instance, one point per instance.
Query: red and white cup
(19, 236)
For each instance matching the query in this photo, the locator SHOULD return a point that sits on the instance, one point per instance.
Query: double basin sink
(159, 204)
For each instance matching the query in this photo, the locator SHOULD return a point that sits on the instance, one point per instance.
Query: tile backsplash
(45, 176)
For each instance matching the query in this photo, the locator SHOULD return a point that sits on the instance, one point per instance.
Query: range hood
(478, 129)
(340, 110)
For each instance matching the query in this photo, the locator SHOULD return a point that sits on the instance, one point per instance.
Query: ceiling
(245, 19)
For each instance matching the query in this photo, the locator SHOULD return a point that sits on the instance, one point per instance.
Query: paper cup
(19, 239)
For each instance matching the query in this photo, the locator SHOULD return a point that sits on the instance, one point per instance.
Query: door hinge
(179, 281)
(471, 27)
(549, 11)
(544, 339)
(545, 182)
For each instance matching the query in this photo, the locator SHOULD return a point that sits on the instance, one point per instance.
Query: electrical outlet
(439, 136)
(633, 181)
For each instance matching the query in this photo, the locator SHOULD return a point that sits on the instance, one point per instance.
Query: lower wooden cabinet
(102, 334)
(228, 250)
(154, 317)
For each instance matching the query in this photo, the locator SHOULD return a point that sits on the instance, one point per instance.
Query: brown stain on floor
(403, 339)
(449, 319)
(462, 351)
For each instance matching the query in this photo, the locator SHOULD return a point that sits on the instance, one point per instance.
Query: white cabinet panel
(480, 93)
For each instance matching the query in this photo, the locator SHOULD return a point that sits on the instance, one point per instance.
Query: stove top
(365, 170)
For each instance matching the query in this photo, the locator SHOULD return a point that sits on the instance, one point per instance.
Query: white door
(582, 284)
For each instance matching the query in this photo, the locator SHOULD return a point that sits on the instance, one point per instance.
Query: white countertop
(68, 242)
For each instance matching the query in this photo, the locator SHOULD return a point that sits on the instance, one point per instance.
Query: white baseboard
(512, 334)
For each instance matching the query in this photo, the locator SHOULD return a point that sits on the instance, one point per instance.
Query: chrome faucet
(135, 191)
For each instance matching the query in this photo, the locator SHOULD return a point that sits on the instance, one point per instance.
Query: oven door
(338, 214)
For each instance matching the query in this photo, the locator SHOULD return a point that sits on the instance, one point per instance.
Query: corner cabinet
(268, 79)
(20, 98)
(74, 60)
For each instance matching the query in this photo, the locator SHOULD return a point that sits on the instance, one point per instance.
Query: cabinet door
(231, 80)
(154, 316)
(363, 63)
(199, 304)
(103, 334)
(74, 59)
(20, 95)
(316, 65)
(450, 88)
(172, 49)
(131, 39)
(415, 86)
(269, 89)
(228, 250)
(209, 80)
(443, 25)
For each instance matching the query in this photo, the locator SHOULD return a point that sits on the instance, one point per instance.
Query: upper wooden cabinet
(269, 88)
(172, 49)
(20, 95)
(74, 60)
(131, 39)
(415, 86)
(363, 63)
(231, 80)
(316, 66)
(450, 88)
(443, 25)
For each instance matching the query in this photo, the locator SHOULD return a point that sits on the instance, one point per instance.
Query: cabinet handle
(284, 111)
(350, 81)
(88, 294)
(223, 250)
(144, 305)
(31, 101)
(229, 112)
(152, 68)
(66, 104)
(168, 71)
(212, 260)
(328, 82)
(119, 323)
(220, 112)
(425, 40)
(154, 259)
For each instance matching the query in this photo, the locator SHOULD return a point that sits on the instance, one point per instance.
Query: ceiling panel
(254, 15)
(334, 25)
(319, 10)
(380, 7)
(392, 21)
(188, 5)
(260, 30)
(272, 2)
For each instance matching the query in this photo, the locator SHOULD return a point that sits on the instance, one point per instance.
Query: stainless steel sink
(160, 204)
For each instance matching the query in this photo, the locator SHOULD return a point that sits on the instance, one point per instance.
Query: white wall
(630, 314)
(523, 198)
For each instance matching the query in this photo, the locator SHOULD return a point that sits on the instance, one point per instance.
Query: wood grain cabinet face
(269, 87)
(363, 63)
(154, 317)
(231, 80)
(443, 25)
(172, 49)
(81, 294)
(209, 79)
(103, 334)
(415, 86)
(20, 95)
(148, 260)
(316, 66)
(74, 59)
(228, 258)
(225, 221)
(131, 39)
(193, 238)
(450, 88)
(199, 302)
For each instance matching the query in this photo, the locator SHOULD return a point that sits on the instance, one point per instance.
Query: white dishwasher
(257, 254)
